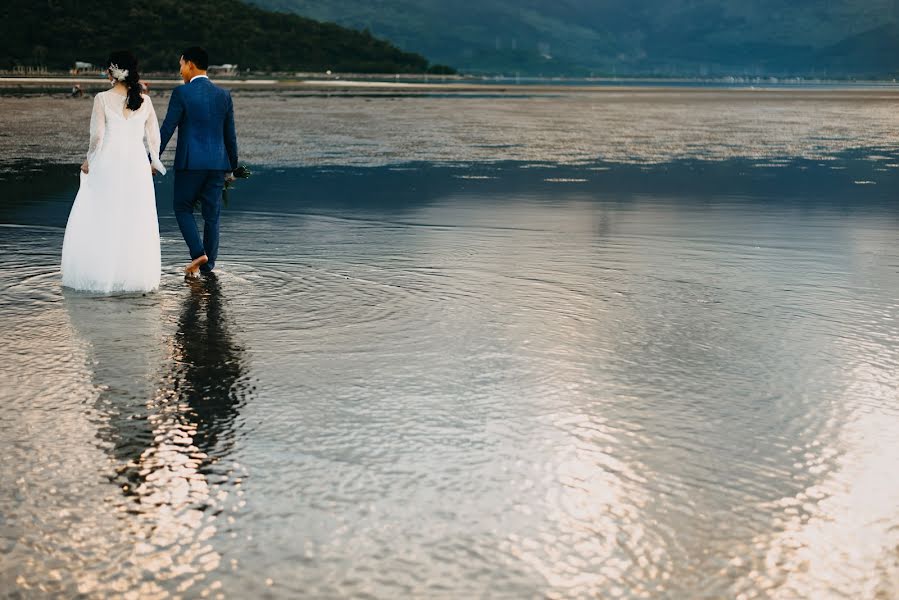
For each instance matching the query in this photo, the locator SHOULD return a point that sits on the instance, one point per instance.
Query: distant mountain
(56, 33)
(663, 37)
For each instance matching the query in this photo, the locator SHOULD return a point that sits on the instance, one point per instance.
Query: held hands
(153, 170)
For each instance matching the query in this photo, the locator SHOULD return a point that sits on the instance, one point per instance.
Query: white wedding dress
(112, 237)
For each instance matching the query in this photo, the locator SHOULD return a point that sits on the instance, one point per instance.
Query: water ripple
(519, 396)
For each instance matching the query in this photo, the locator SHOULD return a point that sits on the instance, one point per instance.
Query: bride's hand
(84, 168)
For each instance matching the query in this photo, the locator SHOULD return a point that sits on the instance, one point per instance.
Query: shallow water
(498, 379)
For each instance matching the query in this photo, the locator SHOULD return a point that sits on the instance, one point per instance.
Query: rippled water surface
(512, 379)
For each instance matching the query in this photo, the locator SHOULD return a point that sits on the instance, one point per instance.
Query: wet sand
(366, 127)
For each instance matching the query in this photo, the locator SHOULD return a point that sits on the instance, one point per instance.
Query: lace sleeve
(151, 129)
(98, 129)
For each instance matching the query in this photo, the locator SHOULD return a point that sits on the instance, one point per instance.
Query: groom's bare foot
(194, 267)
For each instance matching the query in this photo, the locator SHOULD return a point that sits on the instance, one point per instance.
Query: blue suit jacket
(204, 116)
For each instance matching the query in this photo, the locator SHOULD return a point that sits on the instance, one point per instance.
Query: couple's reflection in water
(209, 366)
(167, 406)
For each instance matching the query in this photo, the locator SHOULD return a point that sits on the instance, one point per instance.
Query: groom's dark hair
(198, 56)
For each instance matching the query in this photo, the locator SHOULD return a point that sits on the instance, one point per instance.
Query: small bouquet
(240, 172)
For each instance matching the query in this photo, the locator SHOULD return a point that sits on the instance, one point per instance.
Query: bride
(112, 237)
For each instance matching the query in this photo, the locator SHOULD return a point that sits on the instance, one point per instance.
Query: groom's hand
(84, 167)
(154, 171)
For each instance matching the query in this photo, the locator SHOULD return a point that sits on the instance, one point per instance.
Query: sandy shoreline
(371, 126)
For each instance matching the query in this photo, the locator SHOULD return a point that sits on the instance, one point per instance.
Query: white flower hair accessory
(117, 73)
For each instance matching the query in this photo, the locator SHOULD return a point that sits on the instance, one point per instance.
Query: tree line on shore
(54, 34)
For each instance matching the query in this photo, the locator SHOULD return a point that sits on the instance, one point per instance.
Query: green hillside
(56, 33)
(666, 37)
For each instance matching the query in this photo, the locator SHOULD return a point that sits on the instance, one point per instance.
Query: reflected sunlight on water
(509, 380)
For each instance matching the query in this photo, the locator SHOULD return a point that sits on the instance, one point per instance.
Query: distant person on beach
(111, 242)
(205, 158)
(77, 92)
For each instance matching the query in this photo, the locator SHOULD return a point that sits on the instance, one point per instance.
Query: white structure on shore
(226, 69)
(82, 66)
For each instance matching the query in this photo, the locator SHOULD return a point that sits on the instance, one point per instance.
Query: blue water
(510, 378)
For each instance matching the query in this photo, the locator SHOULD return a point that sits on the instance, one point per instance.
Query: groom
(205, 157)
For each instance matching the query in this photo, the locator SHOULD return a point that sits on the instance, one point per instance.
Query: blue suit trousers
(201, 187)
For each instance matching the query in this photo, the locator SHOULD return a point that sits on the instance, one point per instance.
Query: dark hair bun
(126, 61)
